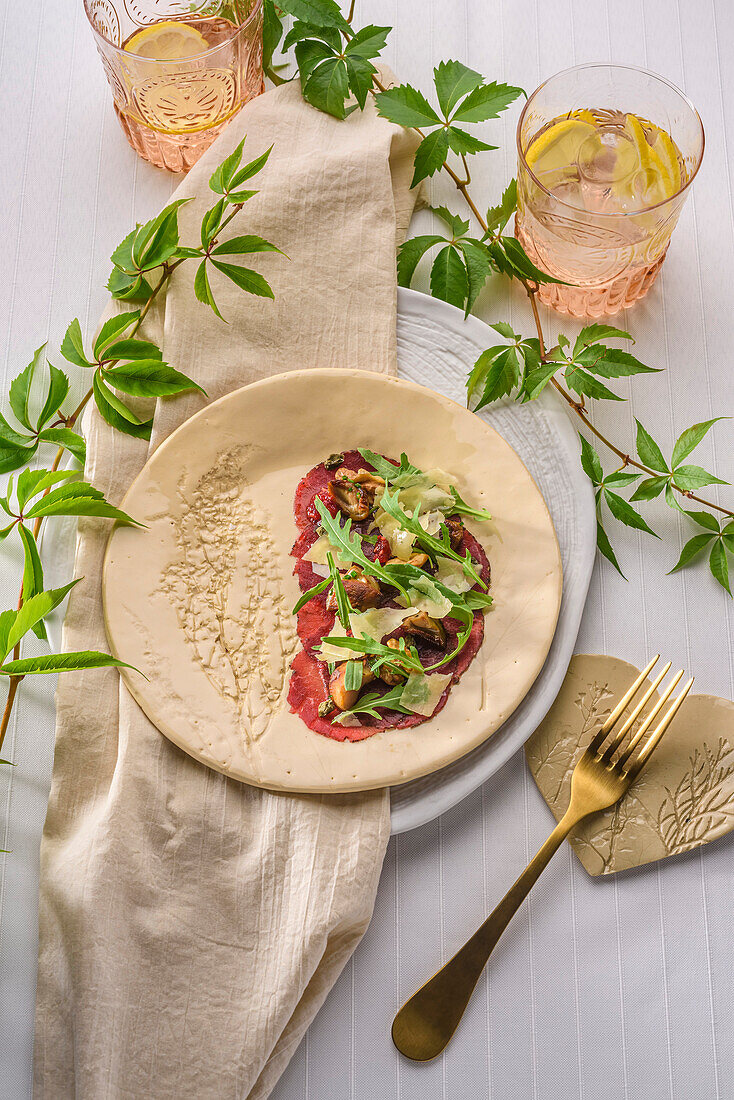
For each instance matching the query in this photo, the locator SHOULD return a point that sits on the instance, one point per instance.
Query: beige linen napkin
(191, 926)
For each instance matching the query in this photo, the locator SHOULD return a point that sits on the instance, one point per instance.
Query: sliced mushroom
(388, 675)
(456, 531)
(346, 699)
(333, 462)
(424, 626)
(418, 560)
(355, 492)
(362, 591)
(351, 498)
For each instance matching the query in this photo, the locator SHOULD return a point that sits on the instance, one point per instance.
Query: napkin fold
(191, 926)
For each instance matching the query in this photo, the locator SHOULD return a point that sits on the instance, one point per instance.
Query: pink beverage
(600, 187)
(178, 71)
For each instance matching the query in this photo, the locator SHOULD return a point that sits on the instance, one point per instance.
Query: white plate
(436, 347)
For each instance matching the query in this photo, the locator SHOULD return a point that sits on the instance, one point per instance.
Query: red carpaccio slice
(309, 683)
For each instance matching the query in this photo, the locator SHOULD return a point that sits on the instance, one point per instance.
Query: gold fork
(426, 1022)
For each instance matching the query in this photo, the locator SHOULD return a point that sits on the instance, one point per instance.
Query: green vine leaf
(116, 413)
(605, 547)
(150, 378)
(648, 451)
(690, 439)
(463, 97)
(691, 478)
(32, 611)
(72, 346)
(112, 330)
(78, 499)
(62, 662)
(245, 279)
(272, 33)
(449, 280)
(590, 462)
(692, 549)
(650, 488)
(498, 216)
(65, 437)
(406, 106)
(203, 290)
(625, 513)
(317, 13)
(20, 389)
(719, 564)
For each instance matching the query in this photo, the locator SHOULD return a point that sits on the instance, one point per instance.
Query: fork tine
(617, 741)
(628, 696)
(624, 757)
(654, 739)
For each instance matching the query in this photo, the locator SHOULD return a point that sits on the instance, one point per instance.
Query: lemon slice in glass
(655, 181)
(167, 41)
(558, 146)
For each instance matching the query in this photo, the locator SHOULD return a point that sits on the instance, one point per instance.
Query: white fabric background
(601, 990)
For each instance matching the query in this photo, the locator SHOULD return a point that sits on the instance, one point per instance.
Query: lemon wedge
(167, 41)
(555, 151)
(668, 153)
(655, 182)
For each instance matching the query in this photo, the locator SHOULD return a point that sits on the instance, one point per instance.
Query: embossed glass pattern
(610, 256)
(173, 96)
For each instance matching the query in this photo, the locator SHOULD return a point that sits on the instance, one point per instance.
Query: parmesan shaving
(422, 693)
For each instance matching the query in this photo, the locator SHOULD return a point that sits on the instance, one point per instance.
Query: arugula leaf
(310, 593)
(343, 606)
(373, 701)
(461, 508)
(353, 675)
(389, 503)
(407, 656)
(349, 545)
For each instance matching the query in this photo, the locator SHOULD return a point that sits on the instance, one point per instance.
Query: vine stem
(70, 421)
(531, 289)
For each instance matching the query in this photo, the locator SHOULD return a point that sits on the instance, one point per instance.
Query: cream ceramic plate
(200, 600)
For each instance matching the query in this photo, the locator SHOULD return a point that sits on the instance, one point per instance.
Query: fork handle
(426, 1022)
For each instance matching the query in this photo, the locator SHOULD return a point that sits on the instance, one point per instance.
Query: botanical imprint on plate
(683, 798)
(225, 586)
